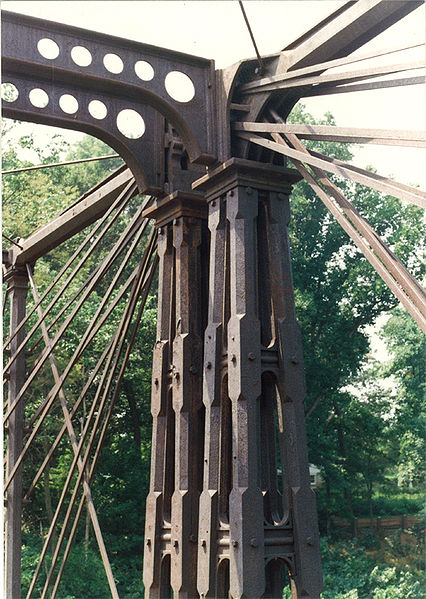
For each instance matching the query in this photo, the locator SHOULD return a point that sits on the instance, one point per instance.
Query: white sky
(217, 30)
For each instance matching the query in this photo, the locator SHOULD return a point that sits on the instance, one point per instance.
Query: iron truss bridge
(210, 176)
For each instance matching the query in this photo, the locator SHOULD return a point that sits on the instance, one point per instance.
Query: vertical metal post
(17, 280)
(170, 558)
(257, 510)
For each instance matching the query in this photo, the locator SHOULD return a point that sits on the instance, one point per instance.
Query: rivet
(233, 358)
(193, 369)
(253, 542)
(161, 230)
(251, 356)
(156, 382)
(193, 538)
(249, 191)
(209, 365)
(294, 360)
(203, 543)
(175, 543)
(214, 203)
(176, 222)
(176, 375)
(234, 543)
(148, 542)
(231, 193)
(281, 196)
(310, 541)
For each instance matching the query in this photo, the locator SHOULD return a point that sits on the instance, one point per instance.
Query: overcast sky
(217, 30)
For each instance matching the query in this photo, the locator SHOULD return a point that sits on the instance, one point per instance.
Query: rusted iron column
(17, 281)
(257, 510)
(170, 560)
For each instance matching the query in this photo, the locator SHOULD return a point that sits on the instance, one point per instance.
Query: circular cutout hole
(48, 48)
(113, 63)
(68, 104)
(130, 124)
(81, 56)
(97, 109)
(144, 70)
(9, 92)
(38, 98)
(179, 86)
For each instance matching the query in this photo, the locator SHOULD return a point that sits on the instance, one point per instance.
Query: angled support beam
(381, 184)
(346, 134)
(319, 68)
(346, 30)
(74, 443)
(79, 216)
(402, 284)
(339, 78)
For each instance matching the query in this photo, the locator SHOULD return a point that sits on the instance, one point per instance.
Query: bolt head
(209, 365)
(193, 369)
(234, 543)
(251, 356)
(310, 541)
(253, 542)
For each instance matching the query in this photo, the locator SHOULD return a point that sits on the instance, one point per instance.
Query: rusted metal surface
(230, 508)
(26, 68)
(17, 284)
(254, 522)
(177, 409)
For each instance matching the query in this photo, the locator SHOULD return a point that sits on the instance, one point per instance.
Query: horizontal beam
(79, 216)
(377, 182)
(346, 30)
(346, 134)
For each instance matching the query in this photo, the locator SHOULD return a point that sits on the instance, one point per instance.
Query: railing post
(17, 281)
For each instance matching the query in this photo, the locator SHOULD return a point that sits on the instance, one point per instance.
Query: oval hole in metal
(48, 48)
(113, 63)
(130, 123)
(68, 104)
(97, 109)
(81, 56)
(144, 70)
(38, 98)
(179, 86)
(9, 92)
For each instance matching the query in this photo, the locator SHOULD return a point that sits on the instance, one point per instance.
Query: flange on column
(255, 523)
(170, 560)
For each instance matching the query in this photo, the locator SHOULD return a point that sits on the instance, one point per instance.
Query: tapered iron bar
(100, 273)
(322, 66)
(394, 284)
(123, 241)
(124, 197)
(383, 184)
(340, 134)
(75, 407)
(109, 372)
(74, 444)
(87, 337)
(341, 78)
(101, 440)
(328, 90)
(139, 232)
(408, 283)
